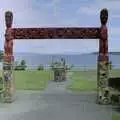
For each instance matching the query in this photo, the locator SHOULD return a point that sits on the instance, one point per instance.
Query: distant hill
(59, 54)
(110, 53)
(35, 59)
(79, 60)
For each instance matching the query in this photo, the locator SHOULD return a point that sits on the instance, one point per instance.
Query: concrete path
(55, 103)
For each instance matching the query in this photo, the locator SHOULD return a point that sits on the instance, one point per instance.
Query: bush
(1, 55)
(21, 66)
(1, 80)
(40, 67)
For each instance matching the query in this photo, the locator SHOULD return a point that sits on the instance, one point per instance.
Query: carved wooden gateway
(99, 33)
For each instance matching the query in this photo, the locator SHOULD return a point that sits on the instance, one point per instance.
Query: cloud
(24, 15)
(87, 11)
(31, 13)
(95, 6)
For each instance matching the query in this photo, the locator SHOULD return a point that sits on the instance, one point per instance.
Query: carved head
(104, 16)
(8, 18)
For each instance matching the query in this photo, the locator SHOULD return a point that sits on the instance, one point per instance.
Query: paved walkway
(54, 103)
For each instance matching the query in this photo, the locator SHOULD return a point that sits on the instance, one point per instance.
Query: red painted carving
(104, 16)
(56, 33)
(103, 43)
(8, 19)
(8, 46)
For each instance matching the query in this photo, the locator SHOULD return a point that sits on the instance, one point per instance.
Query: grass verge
(87, 80)
(116, 117)
(32, 79)
(81, 81)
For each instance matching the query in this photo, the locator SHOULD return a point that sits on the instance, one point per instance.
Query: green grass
(115, 73)
(83, 81)
(83, 85)
(37, 80)
(87, 80)
(116, 117)
(32, 80)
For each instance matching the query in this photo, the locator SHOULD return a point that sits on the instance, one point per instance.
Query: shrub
(21, 66)
(40, 67)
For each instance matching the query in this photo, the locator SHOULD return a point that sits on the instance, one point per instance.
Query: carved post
(103, 60)
(8, 59)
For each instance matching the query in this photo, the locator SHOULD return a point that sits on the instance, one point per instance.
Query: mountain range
(85, 59)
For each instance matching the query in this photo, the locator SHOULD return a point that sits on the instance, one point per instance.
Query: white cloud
(87, 11)
(24, 15)
(94, 7)
(27, 15)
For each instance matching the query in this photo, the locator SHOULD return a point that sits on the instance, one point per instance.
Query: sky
(61, 13)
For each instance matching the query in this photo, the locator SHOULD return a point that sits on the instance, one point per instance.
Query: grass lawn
(81, 81)
(32, 79)
(36, 80)
(87, 80)
(83, 85)
(116, 117)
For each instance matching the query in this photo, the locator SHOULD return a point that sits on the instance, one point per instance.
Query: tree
(23, 65)
(72, 66)
(1, 55)
(16, 65)
(110, 65)
(20, 66)
(40, 67)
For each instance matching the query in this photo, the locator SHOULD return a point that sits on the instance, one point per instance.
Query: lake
(80, 61)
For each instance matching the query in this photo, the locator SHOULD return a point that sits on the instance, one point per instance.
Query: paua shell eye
(8, 18)
(104, 16)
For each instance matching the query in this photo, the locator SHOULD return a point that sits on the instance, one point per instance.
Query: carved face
(104, 16)
(8, 18)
